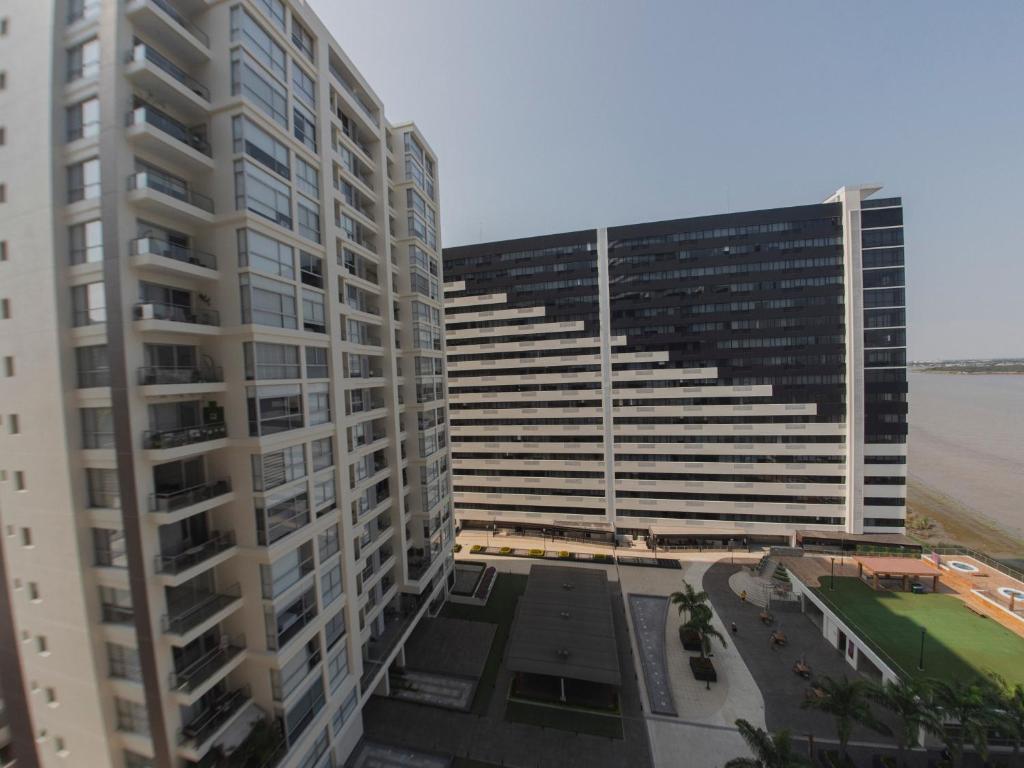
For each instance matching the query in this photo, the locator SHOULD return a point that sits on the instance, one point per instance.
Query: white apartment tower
(224, 488)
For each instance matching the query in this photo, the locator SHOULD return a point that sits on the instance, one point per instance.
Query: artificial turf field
(959, 644)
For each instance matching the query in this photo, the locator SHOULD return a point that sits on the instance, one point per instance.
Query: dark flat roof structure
(564, 628)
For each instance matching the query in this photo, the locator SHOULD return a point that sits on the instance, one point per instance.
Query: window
(83, 119)
(274, 10)
(116, 605)
(334, 629)
(268, 302)
(311, 269)
(84, 60)
(252, 140)
(308, 220)
(305, 127)
(307, 178)
(274, 409)
(271, 361)
(8, 366)
(92, 366)
(26, 533)
(330, 586)
(319, 404)
(286, 572)
(131, 717)
(328, 544)
(304, 86)
(314, 317)
(324, 496)
(88, 304)
(5, 309)
(248, 80)
(97, 428)
(288, 622)
(103, 489)
(84, 180)
(323, 453)
(316, 363)
(273, 469)
(304, 710)
(302, 39)
(337, 668)
(265, 254)
(108, 548)
(348, 706)
(133, 760)
(85, 242)
(82, 9)
(263, 194)
(42, 645)
(258, 42)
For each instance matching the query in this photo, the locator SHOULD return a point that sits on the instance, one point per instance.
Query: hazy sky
(552, 115)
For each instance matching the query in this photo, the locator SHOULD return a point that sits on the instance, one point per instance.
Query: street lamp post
(920, 658)
(832, 585)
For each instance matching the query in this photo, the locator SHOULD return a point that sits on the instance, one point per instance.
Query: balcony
(159, 192)
(116, 614)
(190, 501)
(203, 608)
(158, 381)
(165, 439)
(171, 318)
(198, 555)
(162, 21)
(198, 735)
(281, 520)
(165, 137)
(155, 73)
(212, 665)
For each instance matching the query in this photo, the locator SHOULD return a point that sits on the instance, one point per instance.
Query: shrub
(564, 555)
(505, 550)
(476, 548)
(536, 553)
(703, 669)
(458, 548)
(602, 558)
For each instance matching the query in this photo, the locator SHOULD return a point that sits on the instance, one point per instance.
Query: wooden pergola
(903, 568)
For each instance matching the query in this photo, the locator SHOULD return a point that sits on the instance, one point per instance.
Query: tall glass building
(728, 378)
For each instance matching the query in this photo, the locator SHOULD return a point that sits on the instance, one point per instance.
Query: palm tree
(966, 711)
(907, 700)
(1009, 700)
(700, 622)
(847, 701)
(770, 751)
(688, 600)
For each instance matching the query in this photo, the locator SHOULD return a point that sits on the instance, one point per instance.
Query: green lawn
(959, 644)
(500, 610)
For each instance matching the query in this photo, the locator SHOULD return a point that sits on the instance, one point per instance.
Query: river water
(967, 441)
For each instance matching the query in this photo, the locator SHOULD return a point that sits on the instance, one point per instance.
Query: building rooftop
(564, 627)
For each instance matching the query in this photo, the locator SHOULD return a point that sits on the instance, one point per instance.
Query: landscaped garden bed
(579, 557)
(703, 669)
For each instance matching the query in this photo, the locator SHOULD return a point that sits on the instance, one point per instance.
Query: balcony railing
(98, 377)
(168, 125)
(202, 608)
(175, 14)
(116, 614)
(151, 310)
(274, 523)
(142, 52)
(171, 186)
(167, 374)
(174, 438)
(205, 724)
(172, 501)
(193, 556)
(202, 669)
(172, 251)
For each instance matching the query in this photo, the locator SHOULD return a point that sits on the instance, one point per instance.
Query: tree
(848, 703)
(907, 699)
(688, 600)
(966, 711)
(1009, 701)
(700, 622)
(770, 751)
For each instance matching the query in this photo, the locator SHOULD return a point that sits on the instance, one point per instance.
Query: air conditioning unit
(146, 312)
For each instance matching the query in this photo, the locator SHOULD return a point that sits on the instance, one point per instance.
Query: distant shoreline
(969, 371)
